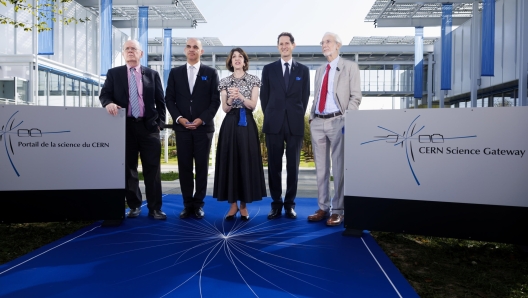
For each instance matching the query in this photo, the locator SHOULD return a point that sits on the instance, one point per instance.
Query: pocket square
(204, 78)
(298, 78)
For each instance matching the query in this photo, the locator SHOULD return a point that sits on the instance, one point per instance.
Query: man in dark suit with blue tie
(138, 89)
(284, 97)
(193, 99)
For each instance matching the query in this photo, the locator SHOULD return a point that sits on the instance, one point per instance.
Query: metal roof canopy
(417, 13)
(180, 41)
(389, 40)
(161, 13)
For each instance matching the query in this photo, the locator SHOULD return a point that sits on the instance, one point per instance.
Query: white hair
(136, 44)
(335, 36)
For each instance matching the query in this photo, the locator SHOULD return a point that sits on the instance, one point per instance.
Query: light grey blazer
(347, 86)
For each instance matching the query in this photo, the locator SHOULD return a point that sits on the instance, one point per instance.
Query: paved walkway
(307, 186)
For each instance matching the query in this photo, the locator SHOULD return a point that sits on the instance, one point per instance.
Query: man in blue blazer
(138, 89)
(193, 99)
(284, 97)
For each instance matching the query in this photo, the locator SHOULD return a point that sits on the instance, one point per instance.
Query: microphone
(337, 68)
(142, 71)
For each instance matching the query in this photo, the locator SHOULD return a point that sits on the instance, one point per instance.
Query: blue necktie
(287, 74)
(134, 95)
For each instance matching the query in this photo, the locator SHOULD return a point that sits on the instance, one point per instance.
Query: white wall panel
(465, 81)
(69, 36)
(7, 32)
(499, 23)
(80, 36)
(24, 39)
(509, 53)
(92, 50)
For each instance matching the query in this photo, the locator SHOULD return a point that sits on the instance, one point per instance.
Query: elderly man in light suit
(337, 89)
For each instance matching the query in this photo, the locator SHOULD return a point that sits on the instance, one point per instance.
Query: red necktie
(324, 90)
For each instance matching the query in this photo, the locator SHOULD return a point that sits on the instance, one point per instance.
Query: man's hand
(195, 124)
(112, 108)
(185, 123)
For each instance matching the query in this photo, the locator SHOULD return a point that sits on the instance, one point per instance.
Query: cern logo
(11, 130)
(405, 140)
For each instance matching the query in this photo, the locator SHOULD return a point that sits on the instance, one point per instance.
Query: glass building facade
(66, 78)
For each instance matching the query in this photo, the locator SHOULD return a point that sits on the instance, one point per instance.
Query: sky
(252, 22)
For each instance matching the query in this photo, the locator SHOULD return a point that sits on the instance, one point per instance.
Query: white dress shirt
(196, 69)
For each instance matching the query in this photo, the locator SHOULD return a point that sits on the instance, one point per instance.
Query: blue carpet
(207, 258)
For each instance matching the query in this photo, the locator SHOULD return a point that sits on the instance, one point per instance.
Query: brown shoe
(318, 215)
(335, 220)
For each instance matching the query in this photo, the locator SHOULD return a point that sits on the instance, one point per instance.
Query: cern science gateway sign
(475, 156)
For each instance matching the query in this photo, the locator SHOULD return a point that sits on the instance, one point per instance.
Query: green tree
(259, 120)
(39, 12)
(307, 139)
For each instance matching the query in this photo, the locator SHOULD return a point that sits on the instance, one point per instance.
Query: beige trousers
(328, 144)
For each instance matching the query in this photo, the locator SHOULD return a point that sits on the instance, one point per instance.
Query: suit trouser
(275, 146)
(328, 138)
(194, 146)
(148, 145)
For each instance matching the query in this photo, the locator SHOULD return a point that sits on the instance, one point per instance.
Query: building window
(42, 88)
(56, 90)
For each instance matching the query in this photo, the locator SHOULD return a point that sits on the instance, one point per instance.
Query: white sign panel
(476, 156)
(52, 148)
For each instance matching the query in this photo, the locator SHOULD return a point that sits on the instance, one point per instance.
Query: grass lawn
(170, 176)
(19, 239)
(444, 267)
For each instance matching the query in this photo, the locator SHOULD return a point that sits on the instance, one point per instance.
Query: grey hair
(136, 44)
(335, 36)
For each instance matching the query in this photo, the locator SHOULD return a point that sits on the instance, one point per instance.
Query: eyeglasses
(130, 49)
(328, 41)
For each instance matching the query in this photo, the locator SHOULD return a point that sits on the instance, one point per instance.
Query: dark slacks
(193, 146)
(275, 144)
(147, 144)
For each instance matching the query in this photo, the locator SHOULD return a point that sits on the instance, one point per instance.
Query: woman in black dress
(239, 175)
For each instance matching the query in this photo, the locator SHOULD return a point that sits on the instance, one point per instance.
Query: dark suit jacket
(115, 90)
(278, 100)
(203, 103)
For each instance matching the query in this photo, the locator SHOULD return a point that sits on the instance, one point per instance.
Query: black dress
(239, 174)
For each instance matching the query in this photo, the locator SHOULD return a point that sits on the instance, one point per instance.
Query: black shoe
(231, 217)
(290, 213)
(274, 213)
(134, 212)
(199, 213)
(244, 217)
(157, 214)
(186, 212)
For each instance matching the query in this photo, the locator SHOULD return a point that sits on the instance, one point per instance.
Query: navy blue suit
(284, 108)
(193, 145)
